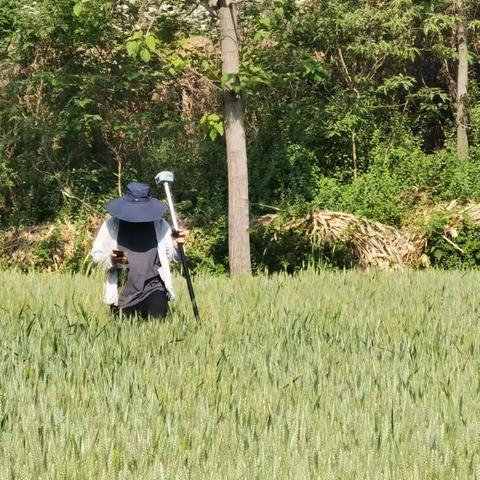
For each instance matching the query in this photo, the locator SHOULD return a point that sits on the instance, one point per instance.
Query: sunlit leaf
(78, 9)
(150, 41)
(145, 55)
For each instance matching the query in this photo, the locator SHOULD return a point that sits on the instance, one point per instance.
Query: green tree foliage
(349, 105)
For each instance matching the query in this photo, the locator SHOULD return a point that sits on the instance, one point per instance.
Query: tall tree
(462, 81)
(238, 205)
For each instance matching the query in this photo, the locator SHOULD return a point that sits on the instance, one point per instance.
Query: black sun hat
(136, 205)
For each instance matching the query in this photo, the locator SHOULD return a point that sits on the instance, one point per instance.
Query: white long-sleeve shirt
(106, 241)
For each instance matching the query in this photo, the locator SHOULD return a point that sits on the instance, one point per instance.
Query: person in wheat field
(135, 243)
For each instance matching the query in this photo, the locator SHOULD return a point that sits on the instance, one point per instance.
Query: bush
(394, 188)
(461, 252)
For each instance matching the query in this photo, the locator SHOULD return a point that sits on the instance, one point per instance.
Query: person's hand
(179, 236)
(118, 261)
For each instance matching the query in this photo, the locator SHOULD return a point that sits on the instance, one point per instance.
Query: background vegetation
(349, 106)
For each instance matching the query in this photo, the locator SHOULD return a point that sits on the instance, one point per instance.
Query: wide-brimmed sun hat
(136, 205)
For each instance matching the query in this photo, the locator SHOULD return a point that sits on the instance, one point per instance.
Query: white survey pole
(167, 178)
(170, 206)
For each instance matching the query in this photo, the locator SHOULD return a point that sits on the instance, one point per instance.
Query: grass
(321, 376)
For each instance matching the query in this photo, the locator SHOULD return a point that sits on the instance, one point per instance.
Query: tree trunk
(462, 84)
(238, 205)
(354, 154)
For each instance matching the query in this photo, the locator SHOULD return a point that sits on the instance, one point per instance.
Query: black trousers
(155, 305)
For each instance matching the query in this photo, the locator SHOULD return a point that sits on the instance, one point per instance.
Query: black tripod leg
(189, 282)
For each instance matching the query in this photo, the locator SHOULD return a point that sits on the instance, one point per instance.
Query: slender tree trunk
(119, 175)
(354, 154)
(462, 84)
(238, 205)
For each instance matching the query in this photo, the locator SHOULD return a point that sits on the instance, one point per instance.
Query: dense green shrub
(460, 252)
(390, 191)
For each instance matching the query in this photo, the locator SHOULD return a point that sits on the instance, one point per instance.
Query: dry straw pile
(374, 244)
(49, 246)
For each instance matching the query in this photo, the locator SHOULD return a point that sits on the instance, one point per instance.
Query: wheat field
(334, 375)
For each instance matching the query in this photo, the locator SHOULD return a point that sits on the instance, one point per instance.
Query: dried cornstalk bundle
(374, 244)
